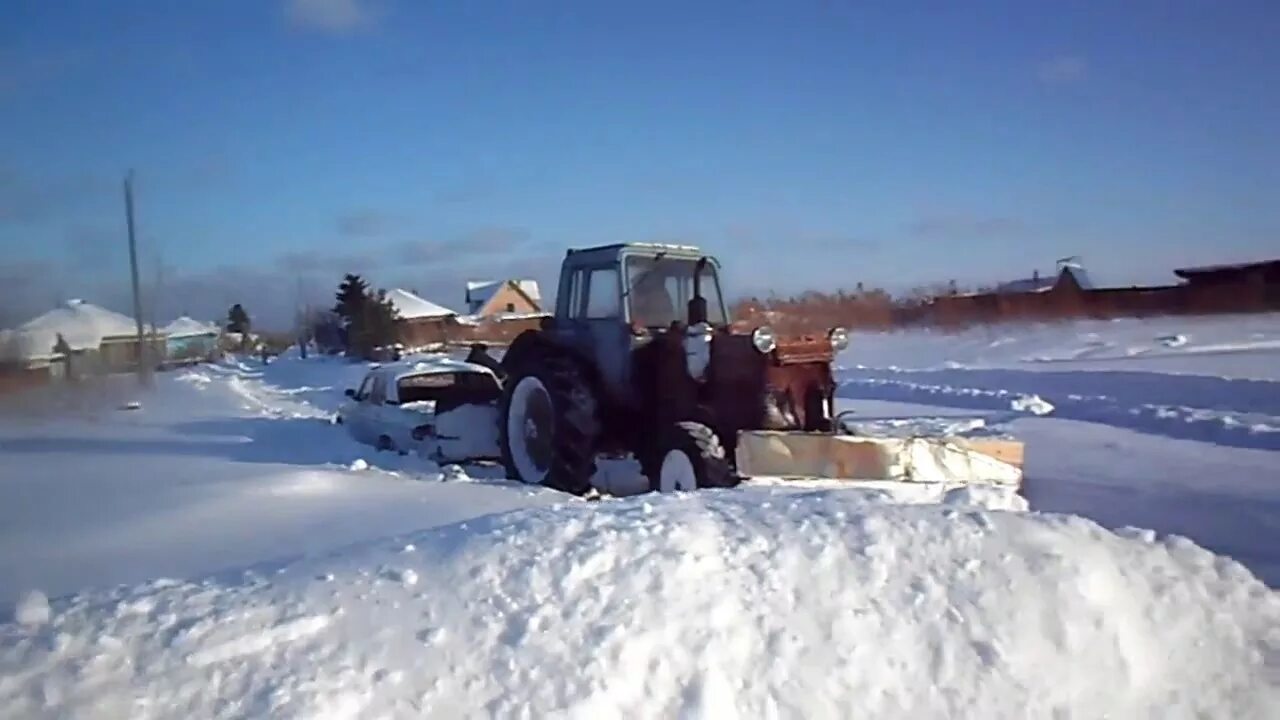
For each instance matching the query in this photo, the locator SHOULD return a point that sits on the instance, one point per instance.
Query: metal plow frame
(945, 460)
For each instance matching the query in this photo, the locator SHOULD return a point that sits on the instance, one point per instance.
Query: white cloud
(334, 16)
(1062, 70)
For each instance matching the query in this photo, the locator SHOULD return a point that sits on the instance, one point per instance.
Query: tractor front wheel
(688, 456)
(549, 429)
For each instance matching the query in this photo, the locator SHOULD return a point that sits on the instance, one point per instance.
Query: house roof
(81, 325)
(412, 307)
(482, 291)
(1027, 285)
(1045, 283)
(187, 327)
(1188, 272)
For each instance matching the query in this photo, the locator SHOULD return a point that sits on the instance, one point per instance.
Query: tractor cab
(615, 299)
(641, 285)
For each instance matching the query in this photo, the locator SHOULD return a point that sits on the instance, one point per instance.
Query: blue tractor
(640, 358)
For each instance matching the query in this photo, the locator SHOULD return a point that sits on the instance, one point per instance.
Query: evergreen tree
(373, 326)
(238, 320)
(382, 319)
(351, 297)
(368, 319)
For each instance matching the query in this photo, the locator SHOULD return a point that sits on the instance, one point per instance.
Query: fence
(15, 379)
(815, 312)
(438, 332)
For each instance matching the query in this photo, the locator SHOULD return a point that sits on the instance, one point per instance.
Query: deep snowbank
(753, 603)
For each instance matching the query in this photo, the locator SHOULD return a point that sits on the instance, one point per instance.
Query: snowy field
(225, 551)
(1170, 423)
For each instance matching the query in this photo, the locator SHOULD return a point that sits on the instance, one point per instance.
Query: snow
(443, 364)
(223, 466)
(467, 431)
(81, 325)
(225, 550)
(1180, 436)
(187, 327)
(753, 603)
(412, 307)
(1219, 383)
(1033, 404)
(32, 610)
(1240, 346)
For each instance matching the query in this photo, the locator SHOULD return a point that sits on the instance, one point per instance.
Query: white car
(441, 408)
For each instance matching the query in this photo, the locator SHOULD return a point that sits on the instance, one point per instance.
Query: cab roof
(690, 250)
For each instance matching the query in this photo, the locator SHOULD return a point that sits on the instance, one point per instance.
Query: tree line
(361, 322)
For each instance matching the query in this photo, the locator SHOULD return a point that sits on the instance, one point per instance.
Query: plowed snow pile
(756, 603)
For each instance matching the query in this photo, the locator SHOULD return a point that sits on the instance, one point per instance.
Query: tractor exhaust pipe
(697, 303)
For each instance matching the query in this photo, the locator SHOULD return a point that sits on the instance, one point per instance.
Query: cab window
(363, 392)
(661, 287)
(576, 281)
(603, 294)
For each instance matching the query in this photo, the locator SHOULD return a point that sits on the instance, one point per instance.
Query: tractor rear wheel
(688, 456)
(549, 429)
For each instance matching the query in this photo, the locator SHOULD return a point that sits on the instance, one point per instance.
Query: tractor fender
(538, 343)
(528, 344)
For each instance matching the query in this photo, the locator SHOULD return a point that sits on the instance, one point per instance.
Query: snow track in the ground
(753, 603)
(1242, 346)
(223, 466)
(1241, 413)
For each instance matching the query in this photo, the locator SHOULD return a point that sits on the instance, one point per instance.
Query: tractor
(639, 358)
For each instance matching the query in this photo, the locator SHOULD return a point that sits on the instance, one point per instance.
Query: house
(1064, 294)
(486, 298)
(1071, 277)
(420, 322)
(1238, 287)
(188, 340)
(1266, 272)
(78, 340)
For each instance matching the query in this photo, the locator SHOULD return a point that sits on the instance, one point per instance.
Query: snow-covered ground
(1167, 423)
(1244, 346)
(220, 468)
(224, 551)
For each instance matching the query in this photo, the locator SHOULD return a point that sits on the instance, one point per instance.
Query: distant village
(1068, 292)
(80, 340)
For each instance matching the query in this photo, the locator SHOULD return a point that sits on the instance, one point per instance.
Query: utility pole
(143, 369)
(303, 311)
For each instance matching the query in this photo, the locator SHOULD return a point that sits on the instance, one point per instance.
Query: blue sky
(812, 144)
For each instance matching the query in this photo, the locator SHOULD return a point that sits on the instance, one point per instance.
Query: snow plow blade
(946, 460)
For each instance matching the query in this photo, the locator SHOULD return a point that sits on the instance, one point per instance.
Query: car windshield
(660, 289)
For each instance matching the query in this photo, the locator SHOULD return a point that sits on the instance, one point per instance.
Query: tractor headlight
(764, 339)
(839, 338)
